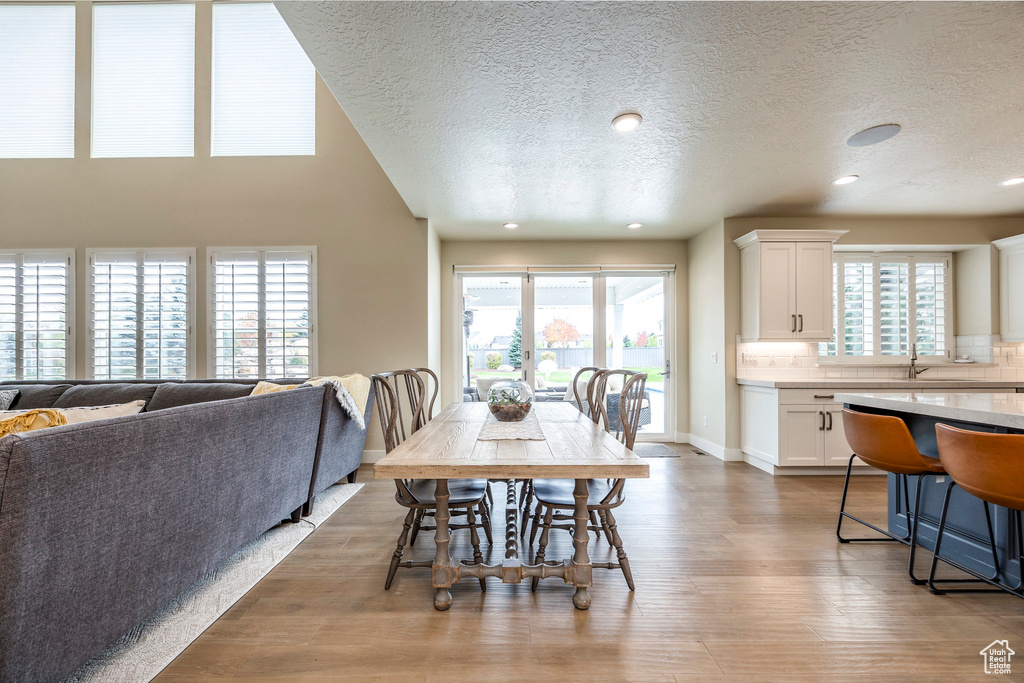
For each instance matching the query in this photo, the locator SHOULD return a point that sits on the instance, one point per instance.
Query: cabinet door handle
(821, 414)
(801, 316)
(830, 421)
(824, 396)
(794, 323)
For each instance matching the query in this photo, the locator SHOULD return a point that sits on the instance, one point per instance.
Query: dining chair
(467, 495)
(554, 496)
(589, 409)
(431, 387)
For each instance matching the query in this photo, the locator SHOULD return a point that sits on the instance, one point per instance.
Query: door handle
(801, 316)
(794, 323)
(821, 414)
(830, 421)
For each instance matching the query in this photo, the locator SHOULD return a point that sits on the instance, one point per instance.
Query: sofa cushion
(35, 395)
(104, 395)
(174, 395)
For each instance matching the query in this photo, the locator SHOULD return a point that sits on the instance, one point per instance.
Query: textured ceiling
(483, 112)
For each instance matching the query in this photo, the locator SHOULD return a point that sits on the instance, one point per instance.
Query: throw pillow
(30, 420)
(7, 397)
(271, 388)
(76, 415)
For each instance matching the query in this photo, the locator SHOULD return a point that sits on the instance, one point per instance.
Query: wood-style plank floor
(738, 574)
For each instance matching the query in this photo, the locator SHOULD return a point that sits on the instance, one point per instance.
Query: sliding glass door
(563, 324)
(544, 327)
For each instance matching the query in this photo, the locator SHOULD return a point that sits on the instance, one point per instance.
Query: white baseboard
(712, 448)
(682, 437)
(370, 456)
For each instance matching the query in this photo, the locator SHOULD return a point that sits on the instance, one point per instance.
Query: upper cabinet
(787, 284)
(1011, 288)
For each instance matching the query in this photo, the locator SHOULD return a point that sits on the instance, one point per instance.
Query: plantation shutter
(894, 308)
(140, 312)
(34, 300)
(262, 314)
(886, 302)
(37, 81)
(8, 316)
(930, 280)
(143, 80)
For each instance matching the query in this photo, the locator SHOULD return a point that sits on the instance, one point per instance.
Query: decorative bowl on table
(510, 400)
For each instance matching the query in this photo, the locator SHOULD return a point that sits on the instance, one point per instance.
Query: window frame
(211, 301)
(912, 258)
(140, 258)
(69, 307)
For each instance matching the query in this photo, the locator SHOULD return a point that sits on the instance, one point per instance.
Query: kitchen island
(966, 538)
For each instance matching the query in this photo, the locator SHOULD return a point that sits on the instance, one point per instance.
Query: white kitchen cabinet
(786, 284)
(812, 436)
(1011, 288)
(800, 431)
(802, 436)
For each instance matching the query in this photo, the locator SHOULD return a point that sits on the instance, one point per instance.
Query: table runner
(528, 429)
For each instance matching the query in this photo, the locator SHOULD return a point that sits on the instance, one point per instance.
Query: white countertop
(856, 384)
(1003, 410)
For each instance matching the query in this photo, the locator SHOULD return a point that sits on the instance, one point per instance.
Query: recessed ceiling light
(625, 123)
(1013, 181)
(873, 135)
(510, 226)
(635, 226)
(846, 180)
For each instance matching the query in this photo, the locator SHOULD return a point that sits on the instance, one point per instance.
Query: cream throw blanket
(353, 392)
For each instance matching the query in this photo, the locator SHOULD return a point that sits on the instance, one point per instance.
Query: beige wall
(372, 253)
(564, 253)
(708, 386)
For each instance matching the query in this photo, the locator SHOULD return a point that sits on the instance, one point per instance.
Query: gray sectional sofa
(104, 522)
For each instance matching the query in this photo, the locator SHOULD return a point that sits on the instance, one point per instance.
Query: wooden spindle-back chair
(401, 397)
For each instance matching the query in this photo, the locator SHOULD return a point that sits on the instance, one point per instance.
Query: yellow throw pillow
(30, 420)
(271, 388)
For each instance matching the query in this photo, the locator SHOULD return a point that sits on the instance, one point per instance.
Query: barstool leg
(913, 531)
(936, 556)
(843, 513)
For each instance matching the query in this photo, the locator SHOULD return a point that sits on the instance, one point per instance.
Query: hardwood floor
(739, 578)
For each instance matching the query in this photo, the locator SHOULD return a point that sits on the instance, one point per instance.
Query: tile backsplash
(993, 360)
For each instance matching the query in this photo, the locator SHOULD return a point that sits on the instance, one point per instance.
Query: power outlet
(705, 420)
(714, 357)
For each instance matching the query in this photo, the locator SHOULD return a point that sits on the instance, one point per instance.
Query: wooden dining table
(448, 447)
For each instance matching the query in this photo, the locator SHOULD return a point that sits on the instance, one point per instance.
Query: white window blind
(140, 303)
(264, 86)
(886, 302)
(263, 313)
(37, 81)
(35, 333)
(143, 80)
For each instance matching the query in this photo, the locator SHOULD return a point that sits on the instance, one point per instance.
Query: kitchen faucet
(912, 370)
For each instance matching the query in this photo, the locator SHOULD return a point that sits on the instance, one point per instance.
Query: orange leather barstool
(990, 467)
(884, 442)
